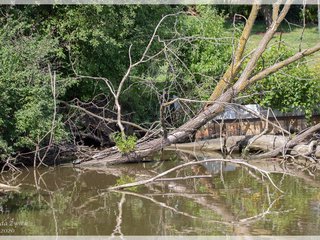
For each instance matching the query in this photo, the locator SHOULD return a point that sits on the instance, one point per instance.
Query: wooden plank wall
(240, 127)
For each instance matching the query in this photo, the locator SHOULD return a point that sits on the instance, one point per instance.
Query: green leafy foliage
(189, 67)
(94, 38)
(199, 61)
(125, 144)
(210, 52)
(27, 107)
(295, 87)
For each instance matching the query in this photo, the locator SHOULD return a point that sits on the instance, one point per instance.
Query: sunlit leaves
(295, 87)
(26, 115)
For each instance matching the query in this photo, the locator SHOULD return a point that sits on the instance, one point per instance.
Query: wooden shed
(244, 120)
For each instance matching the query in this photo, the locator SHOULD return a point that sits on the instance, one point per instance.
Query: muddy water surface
(235, 201)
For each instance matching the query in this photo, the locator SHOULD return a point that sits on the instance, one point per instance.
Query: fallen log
(304, 149)
(271, 145)
(283, 148)
(204, 145)
(263, 143)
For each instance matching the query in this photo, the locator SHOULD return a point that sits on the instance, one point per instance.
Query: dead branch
(161, 204)
(236, 62)
(272, 69)
(108, 120)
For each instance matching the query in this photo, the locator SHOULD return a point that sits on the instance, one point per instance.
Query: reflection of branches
(161, 204)
(13, 176)
(240, 222)
(54, 215)
(266, 212)
(10, 165)
(89, 201)
(210, 203)
(117, 229)
(237, 161)
(5, 187)
(184, 178)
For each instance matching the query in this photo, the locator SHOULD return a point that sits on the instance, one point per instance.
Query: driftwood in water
(265, 143)
(271, 145)
(292, 143)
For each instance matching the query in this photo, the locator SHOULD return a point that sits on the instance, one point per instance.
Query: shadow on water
(234, 201)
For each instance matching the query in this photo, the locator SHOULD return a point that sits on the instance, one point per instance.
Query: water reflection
(235, 201)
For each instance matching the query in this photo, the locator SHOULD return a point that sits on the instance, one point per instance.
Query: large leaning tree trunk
(224, 93)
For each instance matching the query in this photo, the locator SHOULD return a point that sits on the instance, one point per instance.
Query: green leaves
(125, 144)
(295, 87)
(26, 100)
(209, 53)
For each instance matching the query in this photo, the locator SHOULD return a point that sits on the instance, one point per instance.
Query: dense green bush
(295, 87)
(208, 56)
(26, 110)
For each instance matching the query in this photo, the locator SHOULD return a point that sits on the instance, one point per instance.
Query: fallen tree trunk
(304, 149)
(290, 144)
(245, 79)
(272, 145)
(264, 143)
(147, 148)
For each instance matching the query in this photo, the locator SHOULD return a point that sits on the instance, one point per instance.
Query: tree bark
(263, 143)
(283, 148)
(234, 67)
(267, 14)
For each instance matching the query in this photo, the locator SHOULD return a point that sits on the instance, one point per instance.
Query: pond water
(235, 201)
